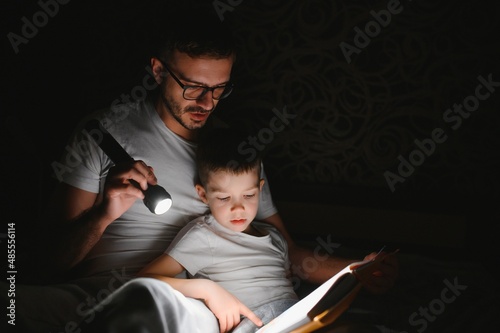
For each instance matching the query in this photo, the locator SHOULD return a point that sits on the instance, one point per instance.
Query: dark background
(352, 119)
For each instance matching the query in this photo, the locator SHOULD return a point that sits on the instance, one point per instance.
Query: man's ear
(157, 70)
(261, 183)
(201, 193)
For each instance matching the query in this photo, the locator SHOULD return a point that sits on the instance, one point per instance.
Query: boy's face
(233, 199)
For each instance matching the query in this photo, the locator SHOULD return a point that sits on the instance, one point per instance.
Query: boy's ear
(261, 183)
(201, 193)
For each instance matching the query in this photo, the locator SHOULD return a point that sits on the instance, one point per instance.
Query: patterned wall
(348, 120)
(355, 111)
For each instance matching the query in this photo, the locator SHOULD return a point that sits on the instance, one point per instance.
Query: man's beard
(176, 111)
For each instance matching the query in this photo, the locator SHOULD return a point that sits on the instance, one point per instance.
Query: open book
(327, 302)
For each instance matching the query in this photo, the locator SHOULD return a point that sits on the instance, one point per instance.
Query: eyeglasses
(197, 92)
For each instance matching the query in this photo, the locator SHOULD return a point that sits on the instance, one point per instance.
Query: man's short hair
(196, 33)
(220, 150)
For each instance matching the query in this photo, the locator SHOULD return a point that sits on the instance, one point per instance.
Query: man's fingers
(392, 261)
(139, 172)
(145, 174)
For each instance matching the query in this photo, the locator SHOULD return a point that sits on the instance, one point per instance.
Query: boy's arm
(226, 307)
(163, 266)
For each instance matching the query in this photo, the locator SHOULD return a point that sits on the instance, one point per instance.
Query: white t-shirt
(139, 236)
(254, 269)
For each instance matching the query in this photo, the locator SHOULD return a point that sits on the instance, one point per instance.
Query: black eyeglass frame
(228, 87)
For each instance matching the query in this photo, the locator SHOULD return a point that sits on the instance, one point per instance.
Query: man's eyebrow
(198, 83)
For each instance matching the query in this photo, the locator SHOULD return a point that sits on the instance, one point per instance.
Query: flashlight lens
(163, 206)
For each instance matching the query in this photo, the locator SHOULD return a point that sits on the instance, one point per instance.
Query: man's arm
(325, 268)
(80, 217)
(78, 225)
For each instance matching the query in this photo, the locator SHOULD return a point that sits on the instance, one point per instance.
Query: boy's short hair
(221, 150)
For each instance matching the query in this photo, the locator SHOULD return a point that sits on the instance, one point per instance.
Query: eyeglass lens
(199, 92)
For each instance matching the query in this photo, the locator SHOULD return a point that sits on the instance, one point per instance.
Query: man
(105, 233)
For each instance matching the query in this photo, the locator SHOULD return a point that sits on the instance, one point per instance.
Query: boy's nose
(237, 206)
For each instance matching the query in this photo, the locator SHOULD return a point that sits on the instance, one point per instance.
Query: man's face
(179, 114)
(233, 199)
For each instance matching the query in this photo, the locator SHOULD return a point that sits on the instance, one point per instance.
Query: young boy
(240, 266)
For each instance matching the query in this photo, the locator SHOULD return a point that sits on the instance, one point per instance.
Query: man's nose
(206, 101)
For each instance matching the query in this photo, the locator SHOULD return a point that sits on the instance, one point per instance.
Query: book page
(296, 315)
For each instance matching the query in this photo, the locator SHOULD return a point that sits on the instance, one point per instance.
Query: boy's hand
(227, 308)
